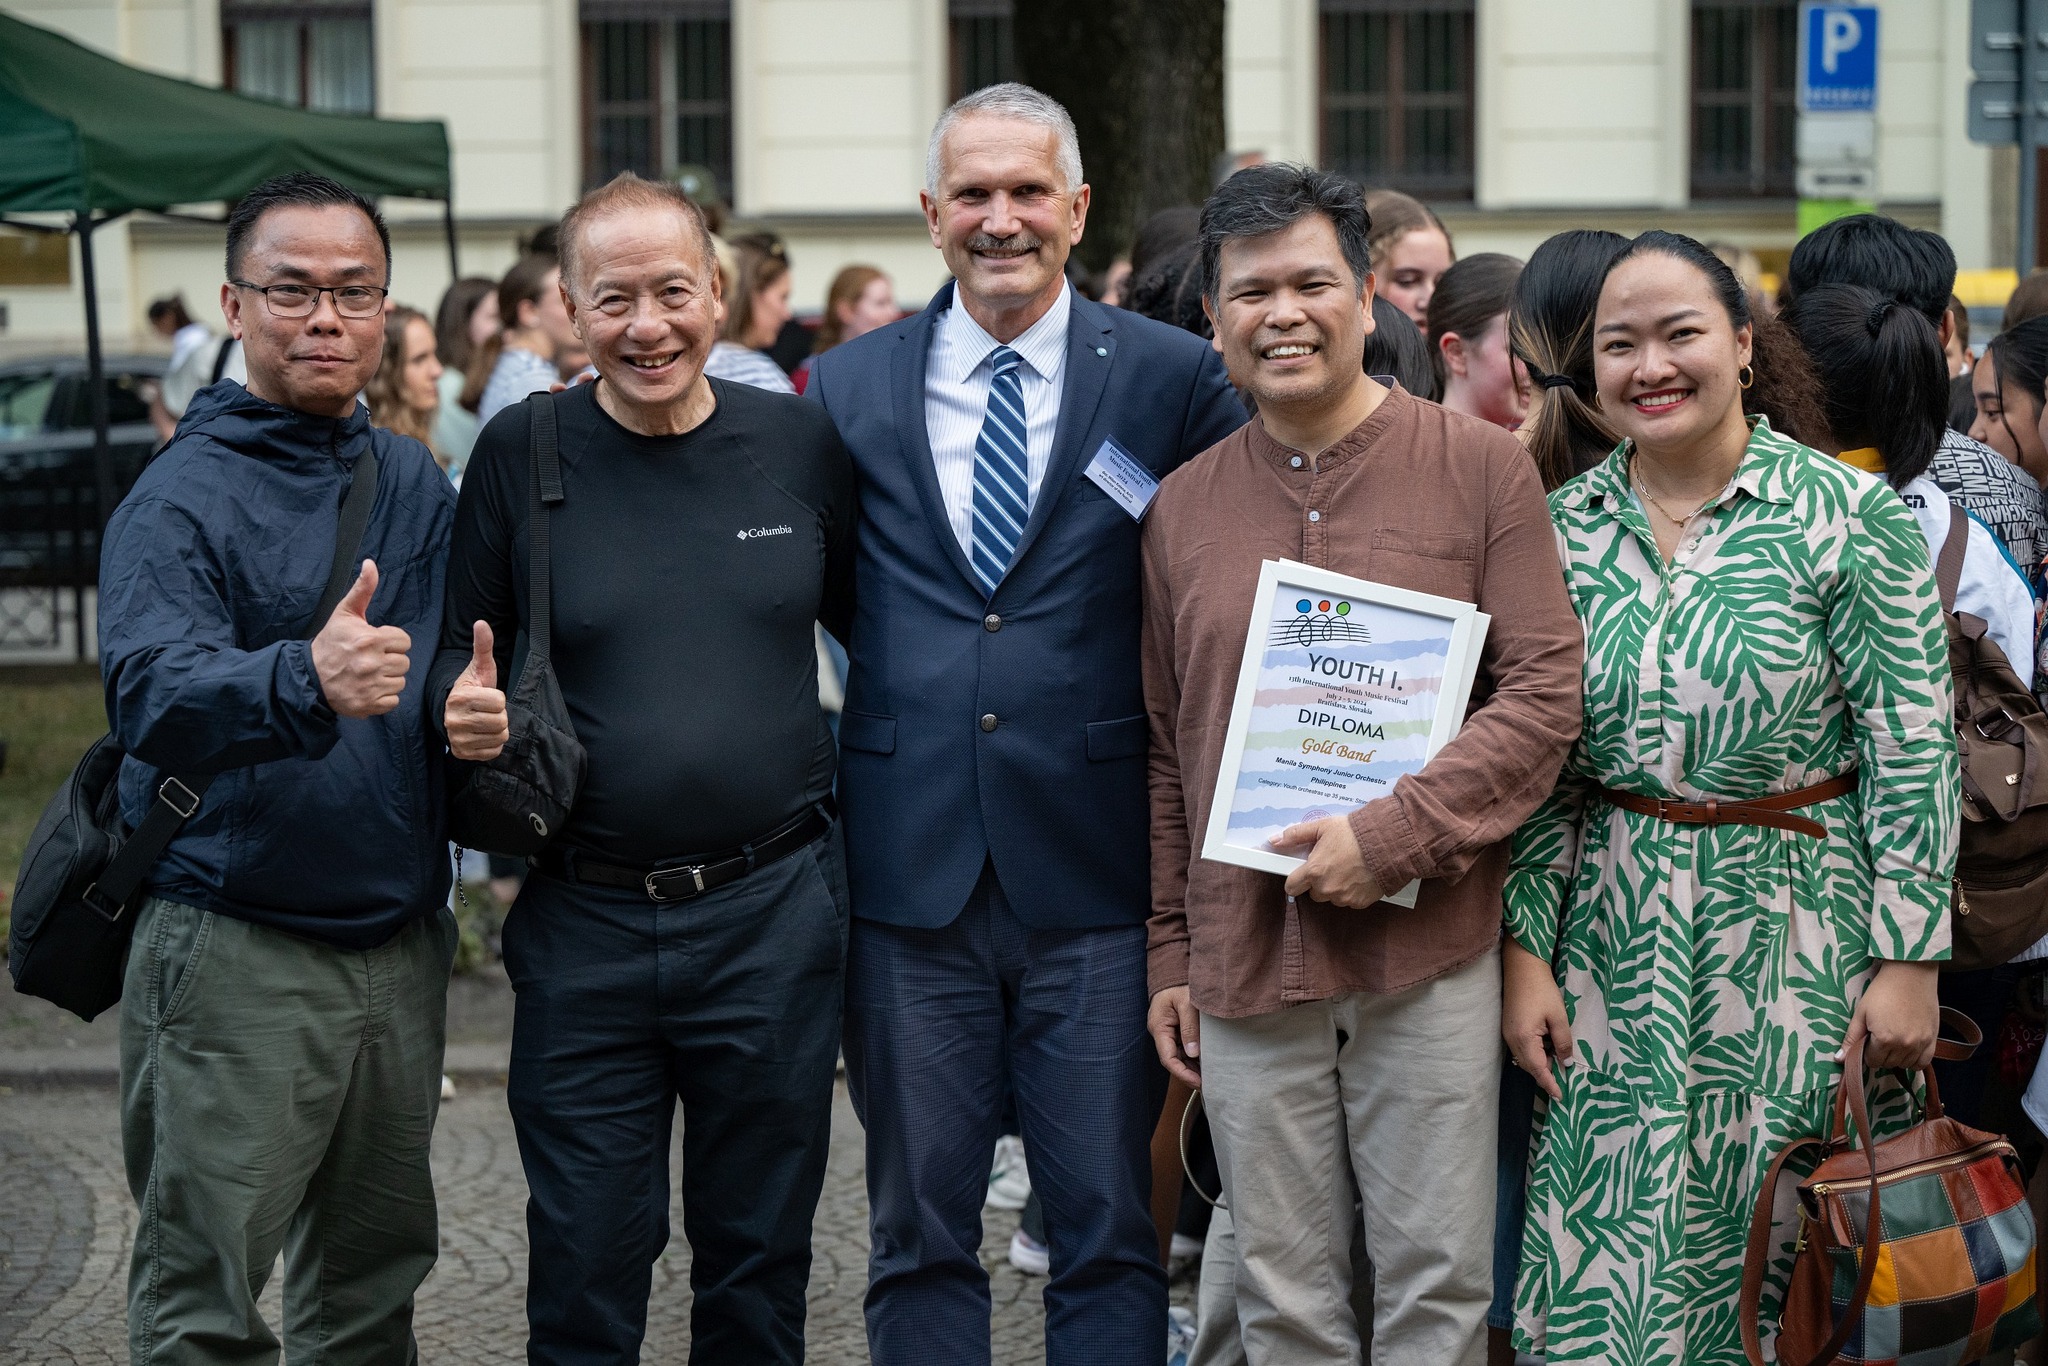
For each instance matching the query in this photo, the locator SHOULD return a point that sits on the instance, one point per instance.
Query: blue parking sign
(1837, 58)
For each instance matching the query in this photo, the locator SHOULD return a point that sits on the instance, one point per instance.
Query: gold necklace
(1636, 478)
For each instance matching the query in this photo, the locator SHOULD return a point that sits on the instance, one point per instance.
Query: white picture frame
(1307, 768)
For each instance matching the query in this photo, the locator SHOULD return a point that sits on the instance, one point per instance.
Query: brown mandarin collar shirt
(1418, 497)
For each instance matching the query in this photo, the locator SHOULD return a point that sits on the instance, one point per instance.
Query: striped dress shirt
(956, 384)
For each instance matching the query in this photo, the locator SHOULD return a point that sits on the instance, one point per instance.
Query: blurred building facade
(1514, 118)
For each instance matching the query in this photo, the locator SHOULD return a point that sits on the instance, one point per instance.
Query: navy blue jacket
(1055, 793)
(327, 827)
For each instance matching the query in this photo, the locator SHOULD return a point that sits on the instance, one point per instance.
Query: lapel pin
(1101, 350)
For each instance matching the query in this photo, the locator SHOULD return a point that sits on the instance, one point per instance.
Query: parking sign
(1837, 58)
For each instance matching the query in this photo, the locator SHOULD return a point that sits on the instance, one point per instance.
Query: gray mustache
(982, 241)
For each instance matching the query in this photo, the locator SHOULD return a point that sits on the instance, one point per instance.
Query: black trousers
(729, 1003)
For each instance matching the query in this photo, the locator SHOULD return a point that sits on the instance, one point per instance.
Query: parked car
(49, 497)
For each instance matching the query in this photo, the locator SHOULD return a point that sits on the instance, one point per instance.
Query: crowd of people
(1696, 837)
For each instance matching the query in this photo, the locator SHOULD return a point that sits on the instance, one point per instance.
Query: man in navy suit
(1006, 442)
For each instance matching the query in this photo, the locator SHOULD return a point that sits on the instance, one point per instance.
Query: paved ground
(66, 1220)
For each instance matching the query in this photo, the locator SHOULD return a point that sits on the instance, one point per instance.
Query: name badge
(1123, 477)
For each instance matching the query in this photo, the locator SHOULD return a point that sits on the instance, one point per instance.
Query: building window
(1397, 94)
(308, 53)
(657, 90)
(1745, 59)
(984, 44)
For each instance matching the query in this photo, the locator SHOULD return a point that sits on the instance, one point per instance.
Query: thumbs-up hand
(475, 718)
(361, 667)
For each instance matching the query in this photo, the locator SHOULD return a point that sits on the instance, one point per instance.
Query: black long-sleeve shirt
(687, 572)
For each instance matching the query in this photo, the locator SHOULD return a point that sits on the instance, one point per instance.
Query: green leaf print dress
(1710, 971)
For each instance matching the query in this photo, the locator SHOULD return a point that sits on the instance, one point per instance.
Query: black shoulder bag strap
(544, 481)
(178, 798)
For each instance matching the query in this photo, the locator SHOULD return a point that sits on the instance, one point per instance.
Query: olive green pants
(279, 1095)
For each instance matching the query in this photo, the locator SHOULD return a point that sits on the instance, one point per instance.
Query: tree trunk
(1144, 82)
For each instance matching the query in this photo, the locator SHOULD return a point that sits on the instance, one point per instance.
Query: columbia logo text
(756, 533)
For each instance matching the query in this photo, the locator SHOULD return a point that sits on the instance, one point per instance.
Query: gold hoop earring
(1745, 377)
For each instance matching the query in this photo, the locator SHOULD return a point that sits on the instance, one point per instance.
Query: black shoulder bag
(82, 872)
(514, 804)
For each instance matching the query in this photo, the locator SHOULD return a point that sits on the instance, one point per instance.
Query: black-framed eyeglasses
(299, 301)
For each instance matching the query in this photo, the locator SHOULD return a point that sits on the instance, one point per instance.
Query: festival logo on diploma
(1342, 692)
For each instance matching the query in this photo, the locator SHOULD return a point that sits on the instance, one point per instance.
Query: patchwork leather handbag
(1919, 1248)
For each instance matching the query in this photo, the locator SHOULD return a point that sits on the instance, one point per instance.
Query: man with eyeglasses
(682, 937)
(283, 1013)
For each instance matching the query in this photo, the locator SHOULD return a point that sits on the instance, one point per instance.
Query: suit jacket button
(991, 622)
(989, 722)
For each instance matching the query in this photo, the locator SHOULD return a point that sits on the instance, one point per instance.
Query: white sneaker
(1029, 1255)
(1009, 1182)
(1180, 1335)
(447, 1087)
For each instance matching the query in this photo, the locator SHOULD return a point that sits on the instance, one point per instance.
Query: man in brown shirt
(1327, 1028)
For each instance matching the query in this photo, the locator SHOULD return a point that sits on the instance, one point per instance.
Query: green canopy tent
(85, 135)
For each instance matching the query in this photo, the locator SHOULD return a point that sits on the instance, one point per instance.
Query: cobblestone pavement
(66, 1221)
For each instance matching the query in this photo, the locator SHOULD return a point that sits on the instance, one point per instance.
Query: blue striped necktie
(1002, 487)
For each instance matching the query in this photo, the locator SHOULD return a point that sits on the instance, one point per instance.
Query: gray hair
(1009, 100)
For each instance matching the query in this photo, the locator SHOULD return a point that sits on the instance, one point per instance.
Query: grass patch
(48, 716)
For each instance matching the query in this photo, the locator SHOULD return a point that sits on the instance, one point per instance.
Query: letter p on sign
(1840, 32)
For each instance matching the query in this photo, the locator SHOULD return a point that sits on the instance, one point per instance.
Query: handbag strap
(544, 483)
(178, 796)
(1851, 1106)
(1758, 1252)
(1948, 567)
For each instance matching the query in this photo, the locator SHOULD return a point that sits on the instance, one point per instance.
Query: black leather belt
(682, 879)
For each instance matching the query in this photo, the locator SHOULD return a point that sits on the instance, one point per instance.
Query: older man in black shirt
(704, 526)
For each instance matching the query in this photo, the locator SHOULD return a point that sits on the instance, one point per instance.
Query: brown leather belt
(1773, 811)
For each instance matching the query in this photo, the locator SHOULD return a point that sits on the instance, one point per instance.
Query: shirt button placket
(1315, 527)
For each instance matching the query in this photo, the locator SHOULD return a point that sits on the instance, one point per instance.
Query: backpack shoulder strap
(1948, 566)
(544, 482)
(348, 539)
(178, 797)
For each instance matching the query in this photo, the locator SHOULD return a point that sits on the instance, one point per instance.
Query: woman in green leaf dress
(1760, 619)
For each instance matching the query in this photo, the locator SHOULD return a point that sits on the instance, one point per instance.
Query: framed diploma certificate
(1346, 685)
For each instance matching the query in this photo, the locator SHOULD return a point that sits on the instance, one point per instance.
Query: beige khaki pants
(1405, 1088)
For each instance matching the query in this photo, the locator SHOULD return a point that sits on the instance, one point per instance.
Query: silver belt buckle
(695, 870)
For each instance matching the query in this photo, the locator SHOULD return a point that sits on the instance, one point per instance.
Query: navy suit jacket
(1055, 792)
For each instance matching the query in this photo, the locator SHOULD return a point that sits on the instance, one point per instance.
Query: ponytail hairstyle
(1471, 294)
(1882, 375)
(1550, 327)
(1783, 388)
(1395, 346)
(521, 285)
